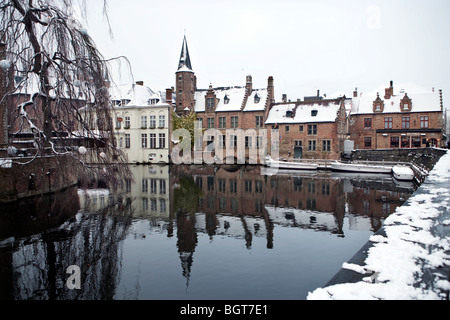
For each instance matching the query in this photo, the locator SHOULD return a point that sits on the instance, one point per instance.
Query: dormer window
(226, 99)
(210, 103)
(405, 103)
(289, 113)
(125, 102)
(314, 113)
(378, 104)
(257, 98)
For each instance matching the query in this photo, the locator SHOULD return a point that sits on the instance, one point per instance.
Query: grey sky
(332, 45)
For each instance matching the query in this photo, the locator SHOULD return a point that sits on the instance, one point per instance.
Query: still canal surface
(193, 232)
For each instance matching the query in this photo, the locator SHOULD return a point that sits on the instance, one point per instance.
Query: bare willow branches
(60, 82)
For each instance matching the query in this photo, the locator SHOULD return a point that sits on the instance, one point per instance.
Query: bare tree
(60, 83)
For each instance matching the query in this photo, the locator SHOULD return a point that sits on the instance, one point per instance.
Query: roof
(185, 60)
(136, 95)
(422, 100)
(231, 99)
(303, 113)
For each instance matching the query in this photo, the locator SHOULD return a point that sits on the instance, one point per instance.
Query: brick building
(223, 112)
(403, 119)
(311, 129)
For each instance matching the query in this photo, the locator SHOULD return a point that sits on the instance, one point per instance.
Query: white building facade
(142, 123)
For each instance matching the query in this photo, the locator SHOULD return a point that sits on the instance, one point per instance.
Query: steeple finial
(185, 60)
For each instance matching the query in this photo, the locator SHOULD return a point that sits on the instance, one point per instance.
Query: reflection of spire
(186, 263)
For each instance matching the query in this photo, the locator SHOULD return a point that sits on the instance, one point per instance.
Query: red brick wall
(382, 140)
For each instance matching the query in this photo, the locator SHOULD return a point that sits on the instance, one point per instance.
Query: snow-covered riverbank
(410, 258)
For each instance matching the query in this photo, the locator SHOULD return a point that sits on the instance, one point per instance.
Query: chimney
(140, 83)
(389, 92)
(284, 97)
(249, 85)
(169, 96)
(355, 93)
(318, 93)
(270, 89)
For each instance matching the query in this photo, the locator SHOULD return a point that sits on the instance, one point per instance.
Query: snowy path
(410, 258)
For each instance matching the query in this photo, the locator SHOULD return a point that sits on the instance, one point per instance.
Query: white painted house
(141, 119)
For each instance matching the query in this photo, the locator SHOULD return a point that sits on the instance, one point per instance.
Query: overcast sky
(331, 45)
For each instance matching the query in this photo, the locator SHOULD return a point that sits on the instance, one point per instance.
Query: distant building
(313, 129)
(222, 108)
(142, 121)
(403, 119)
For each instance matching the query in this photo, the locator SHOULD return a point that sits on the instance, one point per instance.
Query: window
(415, 142)
(314, 113)
(226, 99)
(162, 121)
(312, 145)
(210, 123)
(233, 186)
(286, 128)
(127, 122)
(118, 123)
(162, 186)
(127, 140)
(424, 121)
(152, 122)
(222, 122)
(395, 142)
(162, 140)
(248, 185)
(234, 122)
(222, 141)
(406, 106)
(326, 145)
(312, 129)
(367, 123)
(259, 142)
(405, 122)
(152, 141)
(153, 186)
(233, 140)
(144, 140)
(297, 143)
(405, 142)
(300, 128)
(248, 142)
(222, 185)
(143, 122)
(259, 122)
(199, 123)
(388, 123)
(258, 186)
(367, 142)
(210, 103)
(257, 98)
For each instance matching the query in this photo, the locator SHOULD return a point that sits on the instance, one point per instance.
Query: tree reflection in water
(88, 228)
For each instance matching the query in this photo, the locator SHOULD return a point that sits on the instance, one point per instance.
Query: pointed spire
(185, 60)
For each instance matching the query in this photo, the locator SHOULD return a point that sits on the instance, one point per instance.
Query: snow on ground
(417, 245)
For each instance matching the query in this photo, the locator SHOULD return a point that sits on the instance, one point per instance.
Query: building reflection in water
(181, 201)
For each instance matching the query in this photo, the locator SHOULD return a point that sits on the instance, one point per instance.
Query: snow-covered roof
(318, 111)
(231, 99)
(422, 100)
(132, 95)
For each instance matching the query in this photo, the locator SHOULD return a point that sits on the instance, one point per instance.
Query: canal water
(193, 232)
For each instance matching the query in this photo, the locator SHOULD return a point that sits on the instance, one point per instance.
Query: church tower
(186, 82)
